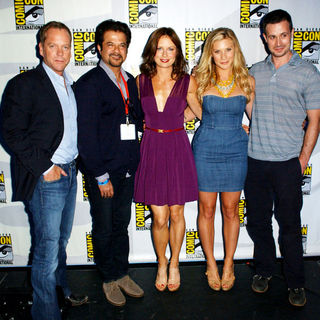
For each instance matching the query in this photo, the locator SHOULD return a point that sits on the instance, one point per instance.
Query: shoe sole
(298, 305)
(174, 289)
(227, 289)
(116, 303)
(159, 288)
(215, 288)
(260, 291)
(131, 294)
(75, 304)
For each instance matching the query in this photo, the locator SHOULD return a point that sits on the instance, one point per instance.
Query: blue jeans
(110, 220)
(52, 210)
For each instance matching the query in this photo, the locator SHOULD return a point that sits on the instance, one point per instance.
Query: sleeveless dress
(220, 145)
(166, 174)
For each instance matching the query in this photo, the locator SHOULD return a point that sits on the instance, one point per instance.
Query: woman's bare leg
(160, 232)
(177, 231)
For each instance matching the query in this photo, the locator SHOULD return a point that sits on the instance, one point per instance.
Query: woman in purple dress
(166, 177)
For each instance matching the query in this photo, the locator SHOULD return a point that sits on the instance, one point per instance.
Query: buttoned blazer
(32, 127)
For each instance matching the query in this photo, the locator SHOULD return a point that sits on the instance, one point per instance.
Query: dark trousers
(110, 220)
(275, 183)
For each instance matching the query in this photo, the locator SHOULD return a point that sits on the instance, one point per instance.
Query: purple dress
(166, 172)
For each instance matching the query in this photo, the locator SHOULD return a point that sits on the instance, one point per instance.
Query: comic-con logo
(306, 180)
(194, 40)
(143, 217)
(29, 14)
(90, 256)
(243, 212)
(23, 69)
(143, 13)
(307, 44)
(304, 234)
(3, 197)
(193, 245)
(84, 190)
(252, 11)
(6, 254)
(190, 126)
(84, 48)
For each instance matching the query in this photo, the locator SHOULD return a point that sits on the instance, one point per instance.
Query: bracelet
(103, 183)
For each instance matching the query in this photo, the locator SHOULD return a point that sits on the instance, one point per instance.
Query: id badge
(127, 131)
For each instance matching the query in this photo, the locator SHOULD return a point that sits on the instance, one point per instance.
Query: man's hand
(303, 164)
(246, 128)
(106, 190)
(54, 174)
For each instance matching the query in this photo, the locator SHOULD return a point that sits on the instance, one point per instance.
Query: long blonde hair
(206, 70)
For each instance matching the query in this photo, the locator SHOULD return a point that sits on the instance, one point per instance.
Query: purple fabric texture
(166, 174)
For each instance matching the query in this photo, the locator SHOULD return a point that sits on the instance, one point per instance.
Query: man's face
(278, 37)
(56, 49)
(114, 48)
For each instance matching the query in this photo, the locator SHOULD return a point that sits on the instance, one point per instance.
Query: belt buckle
(160, 130)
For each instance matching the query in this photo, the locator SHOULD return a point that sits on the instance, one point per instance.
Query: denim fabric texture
(52, 208)
(220, 145)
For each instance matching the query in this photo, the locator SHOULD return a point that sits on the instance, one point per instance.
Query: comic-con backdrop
(193, 20)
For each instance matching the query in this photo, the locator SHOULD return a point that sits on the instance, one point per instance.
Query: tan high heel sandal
(214, 281)
(162, 278)
(228, 279)
(174, 279)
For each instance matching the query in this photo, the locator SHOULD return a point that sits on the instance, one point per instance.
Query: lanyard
(125, 101)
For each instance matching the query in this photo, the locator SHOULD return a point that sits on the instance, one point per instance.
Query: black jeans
(110, 220)
(276, 183)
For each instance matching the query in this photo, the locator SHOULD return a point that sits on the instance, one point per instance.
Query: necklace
(225, 88)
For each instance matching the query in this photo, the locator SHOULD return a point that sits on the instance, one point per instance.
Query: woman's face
(166, 53)
(223, 54)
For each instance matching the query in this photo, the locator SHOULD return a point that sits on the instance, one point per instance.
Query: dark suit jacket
(32, 127)
(100, 112)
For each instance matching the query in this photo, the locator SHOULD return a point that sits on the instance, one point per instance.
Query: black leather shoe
(75, 300)
(260, 283)
(297, 297)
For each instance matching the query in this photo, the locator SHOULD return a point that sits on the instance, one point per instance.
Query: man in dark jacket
(108, 116)
(39, 126)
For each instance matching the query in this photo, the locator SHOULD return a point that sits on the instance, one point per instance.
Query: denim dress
(220, 145)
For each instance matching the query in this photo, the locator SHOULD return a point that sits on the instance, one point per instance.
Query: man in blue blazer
(39, 126)
(109, 115)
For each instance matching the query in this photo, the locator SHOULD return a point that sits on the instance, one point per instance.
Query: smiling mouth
(164, 60)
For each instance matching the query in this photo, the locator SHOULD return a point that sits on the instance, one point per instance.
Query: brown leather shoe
(130, 287)
(114, 294)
